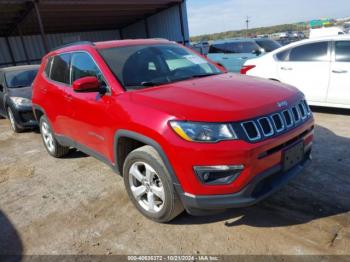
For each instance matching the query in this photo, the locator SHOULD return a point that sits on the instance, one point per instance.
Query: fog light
(218, 175)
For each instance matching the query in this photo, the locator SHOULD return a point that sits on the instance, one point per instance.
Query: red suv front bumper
(262, 175)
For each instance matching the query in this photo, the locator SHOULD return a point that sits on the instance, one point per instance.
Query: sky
(212, 16)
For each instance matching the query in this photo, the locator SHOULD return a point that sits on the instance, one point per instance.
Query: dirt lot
(77, 205)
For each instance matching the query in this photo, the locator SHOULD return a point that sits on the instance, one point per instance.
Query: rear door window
(342, 51)
(60, 68)
(310, 52)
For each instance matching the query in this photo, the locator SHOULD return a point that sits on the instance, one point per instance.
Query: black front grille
(276, 123)
(266, 126)
(251, 130)
(277, 120)
(295, 114)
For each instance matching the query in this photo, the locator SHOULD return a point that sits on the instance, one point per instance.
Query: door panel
(307, 68)
(339, 87)
(311, 78)
(89, 111)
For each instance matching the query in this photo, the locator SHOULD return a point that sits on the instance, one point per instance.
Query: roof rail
(73, 44)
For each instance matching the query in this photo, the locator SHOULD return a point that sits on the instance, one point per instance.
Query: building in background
(31, 28)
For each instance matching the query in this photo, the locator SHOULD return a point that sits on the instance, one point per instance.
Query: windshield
(20, 78)
(141, 66)
(234, 48)
(268, 45)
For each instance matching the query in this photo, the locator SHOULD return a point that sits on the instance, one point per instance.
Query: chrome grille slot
(308, 110)
(302, 110)
(278, 122)
(288, 118)
(296, 114)
(251, 130)
(266, 126)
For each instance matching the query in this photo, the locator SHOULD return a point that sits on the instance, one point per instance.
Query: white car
(320, 68)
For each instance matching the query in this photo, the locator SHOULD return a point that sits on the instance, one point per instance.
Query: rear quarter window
(60, 69)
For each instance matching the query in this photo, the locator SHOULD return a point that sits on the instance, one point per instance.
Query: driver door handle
(339, 71)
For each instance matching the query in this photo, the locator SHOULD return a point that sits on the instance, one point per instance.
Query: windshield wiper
(152, 83)
(204, 75)
(19, 86)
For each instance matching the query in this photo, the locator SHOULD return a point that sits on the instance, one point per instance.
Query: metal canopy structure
(74, 15)
(21, 21)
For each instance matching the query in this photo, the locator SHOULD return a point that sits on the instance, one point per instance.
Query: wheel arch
(120, 152)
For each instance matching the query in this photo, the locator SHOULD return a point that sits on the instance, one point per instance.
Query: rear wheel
(149, 185)
(14, 125)
(50, 142)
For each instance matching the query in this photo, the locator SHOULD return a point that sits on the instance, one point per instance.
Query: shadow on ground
(322, 190)
(11, 247)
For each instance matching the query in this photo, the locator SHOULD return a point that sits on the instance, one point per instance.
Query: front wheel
(149, 185)
(50, 142)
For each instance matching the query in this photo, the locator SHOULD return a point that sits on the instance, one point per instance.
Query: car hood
(25, 92)
(225, 97)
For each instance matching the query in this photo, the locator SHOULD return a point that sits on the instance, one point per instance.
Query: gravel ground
(77, 205)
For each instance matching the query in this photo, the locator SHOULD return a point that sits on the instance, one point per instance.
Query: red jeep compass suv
(181, 132)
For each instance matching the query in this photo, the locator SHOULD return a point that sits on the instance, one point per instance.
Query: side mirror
(257, 52)
(86, 84)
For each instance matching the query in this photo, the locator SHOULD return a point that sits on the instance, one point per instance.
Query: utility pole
(247, 22)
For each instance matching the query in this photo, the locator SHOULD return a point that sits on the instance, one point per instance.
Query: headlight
(20, 101)
(203, 132)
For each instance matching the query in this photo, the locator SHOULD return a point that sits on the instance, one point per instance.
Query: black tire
(56, 150)
(15, 127)
(171, 206)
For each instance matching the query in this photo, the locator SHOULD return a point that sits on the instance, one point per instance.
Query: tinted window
(268, 45)
(147, 65)
(23, 78)
(217, 48)
(60, 68)
(234, 47)
(342, 51)
(83, 65)
(309, 52)
(283, 56)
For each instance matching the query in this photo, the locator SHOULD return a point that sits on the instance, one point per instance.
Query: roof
(75, 15)
(233, 40)
(15, 68)
(313, 40)
(106, 44)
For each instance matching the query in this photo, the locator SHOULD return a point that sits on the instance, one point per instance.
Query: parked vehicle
(346, 27)
(325, 31)
(318, 67)
(267, 44)
(232, 53)
(182, 133)
(15, 96)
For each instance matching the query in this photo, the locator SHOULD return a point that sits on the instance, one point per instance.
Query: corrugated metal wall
(166, 24)
(35, 48)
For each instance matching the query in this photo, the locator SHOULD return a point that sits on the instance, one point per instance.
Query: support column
(146, 28)
(41, 26)
(182, 24)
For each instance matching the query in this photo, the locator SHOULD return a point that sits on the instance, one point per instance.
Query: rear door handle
(286, 68)
(339, 71)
